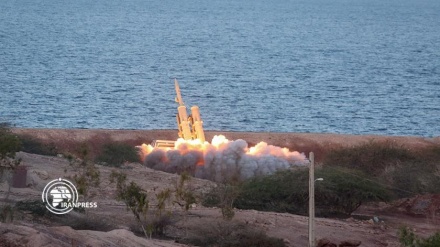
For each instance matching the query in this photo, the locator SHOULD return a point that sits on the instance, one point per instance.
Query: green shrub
(341, 192)
(285, 191)
(344, 190)
(409, 239)
(87, 175)
(33, 145)
(35, 207)
(153, 219)
(222, 196)
(135, 199)
(9, 145)
(6, 213)
(115, 154)
(415, 178)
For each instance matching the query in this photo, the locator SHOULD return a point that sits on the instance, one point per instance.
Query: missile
(197, 124)
(178, 95)
(182, 116)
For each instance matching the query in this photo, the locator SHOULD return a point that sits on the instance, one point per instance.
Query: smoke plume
(221, 159)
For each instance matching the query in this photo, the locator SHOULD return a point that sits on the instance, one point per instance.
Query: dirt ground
(292, 228)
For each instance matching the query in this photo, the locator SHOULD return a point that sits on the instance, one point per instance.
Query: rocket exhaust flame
(221, 159)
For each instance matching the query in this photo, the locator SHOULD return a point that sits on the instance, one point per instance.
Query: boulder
(36, 179)
(325, 243)
(350, 243)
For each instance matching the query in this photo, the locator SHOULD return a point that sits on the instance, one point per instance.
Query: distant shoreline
(302, 142)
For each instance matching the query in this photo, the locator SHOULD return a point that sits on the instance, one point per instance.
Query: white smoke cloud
(221, 159)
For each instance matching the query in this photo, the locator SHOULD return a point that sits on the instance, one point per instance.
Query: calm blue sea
(339, 66)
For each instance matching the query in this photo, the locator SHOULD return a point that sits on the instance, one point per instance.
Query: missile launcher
(190, 127)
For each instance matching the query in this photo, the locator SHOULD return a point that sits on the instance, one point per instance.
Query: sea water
(340, 66)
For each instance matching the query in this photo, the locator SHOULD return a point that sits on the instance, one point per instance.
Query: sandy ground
(292, 228)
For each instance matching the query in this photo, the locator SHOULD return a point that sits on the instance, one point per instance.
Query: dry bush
(319, 150)
(430, 153)
(156, 224)
(95, 143)
(87, 175)
(103, 149)
(228, 234)
(371, 157)
(4, 242)
(153, 219)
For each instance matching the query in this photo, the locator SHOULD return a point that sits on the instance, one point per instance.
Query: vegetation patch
(30, 144)
(6, 213)
(153, 219)
(87, 222)
(404, 172)
(9, 146)
(408, 238)
(115, 154)
(229, 234)
(222, 196)
(371, 157)
(342, 192)
(35, 207)
(87, 175)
